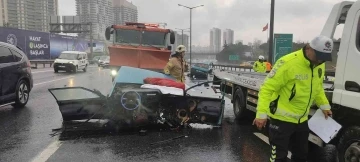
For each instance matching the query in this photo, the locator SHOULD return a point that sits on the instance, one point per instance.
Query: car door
(78, 103)
(10, 74)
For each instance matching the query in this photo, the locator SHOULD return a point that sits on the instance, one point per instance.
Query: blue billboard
(34, 44)
(59, 43)
(42, 45)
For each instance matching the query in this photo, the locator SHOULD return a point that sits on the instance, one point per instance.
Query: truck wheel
(239, 105)
(323, 154)
(75, 69)
(349, 145)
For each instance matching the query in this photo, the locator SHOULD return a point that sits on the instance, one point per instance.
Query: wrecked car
(133, 103)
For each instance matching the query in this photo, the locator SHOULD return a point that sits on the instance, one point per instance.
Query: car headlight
(113, 72)
(71, 62)
(55, 61)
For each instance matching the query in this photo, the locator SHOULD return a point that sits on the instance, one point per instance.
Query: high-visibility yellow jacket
(176, 68)
(259, 67)
(290, 89)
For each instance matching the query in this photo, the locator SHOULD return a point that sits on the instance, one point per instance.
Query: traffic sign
(234, 57)
(282, 45)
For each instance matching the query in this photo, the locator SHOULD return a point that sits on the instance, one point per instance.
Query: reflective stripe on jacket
(176, 68)
(259, 67)
(290, 89)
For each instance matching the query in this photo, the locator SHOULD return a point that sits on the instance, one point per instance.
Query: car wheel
(56, 70)
(75, 69)
(22, 94)
(85, 68)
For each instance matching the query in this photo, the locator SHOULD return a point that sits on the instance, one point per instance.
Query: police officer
(288, 91)
(176, 65)
(260, 66)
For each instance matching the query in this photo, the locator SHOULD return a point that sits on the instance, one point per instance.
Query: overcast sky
(303, 18)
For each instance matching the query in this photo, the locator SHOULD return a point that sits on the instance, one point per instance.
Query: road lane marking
(266, 140)
(47, 152)
(34, 72)
(53, 80)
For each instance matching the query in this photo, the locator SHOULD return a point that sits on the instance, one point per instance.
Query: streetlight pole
(190, 28)
(182, 34)
(271, 41)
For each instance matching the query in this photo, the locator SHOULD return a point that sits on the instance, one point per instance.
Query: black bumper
(64, 66)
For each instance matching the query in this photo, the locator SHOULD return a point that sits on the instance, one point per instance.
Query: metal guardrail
(44, 62)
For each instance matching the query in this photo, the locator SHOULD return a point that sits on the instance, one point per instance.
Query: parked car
(16, 79)
(104, 61)
(95, 60)
(71, 61)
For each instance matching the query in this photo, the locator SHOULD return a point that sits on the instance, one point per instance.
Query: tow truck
(139, 45)
(343, 93)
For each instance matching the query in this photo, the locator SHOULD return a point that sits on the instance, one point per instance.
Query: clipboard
(326, 129)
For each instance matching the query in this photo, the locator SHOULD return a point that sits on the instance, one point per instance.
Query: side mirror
(108, 32)
(169, 48)
(172, 37)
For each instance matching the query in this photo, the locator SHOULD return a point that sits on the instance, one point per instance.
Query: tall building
(124, 12)
(99, 13)
(105, 13)
(215, 40)
(182, 40)
(28, 14)
(228, 36)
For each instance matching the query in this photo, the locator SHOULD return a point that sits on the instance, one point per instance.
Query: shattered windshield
(153, 38)
(125, 36)
(68, 56)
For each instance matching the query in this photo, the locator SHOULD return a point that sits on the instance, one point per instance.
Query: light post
(190, 8)
(182, 35)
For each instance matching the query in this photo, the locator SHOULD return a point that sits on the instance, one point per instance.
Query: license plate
(61, 66)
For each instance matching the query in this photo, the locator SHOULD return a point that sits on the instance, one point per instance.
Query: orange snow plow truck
(139, 45)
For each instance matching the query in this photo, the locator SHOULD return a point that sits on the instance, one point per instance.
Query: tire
(349, 145)
(85, 68)
(75, 69)
(56, 70)
(323, 154)
(239, 105)
(22, 94)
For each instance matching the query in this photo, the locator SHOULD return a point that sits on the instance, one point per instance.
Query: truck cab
(139, 45)
(346, 90)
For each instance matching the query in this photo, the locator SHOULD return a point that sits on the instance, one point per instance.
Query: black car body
(129, 104)
(16, 79)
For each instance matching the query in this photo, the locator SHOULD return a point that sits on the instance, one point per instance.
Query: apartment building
(215, 40)
(28, 14)
(124, 11)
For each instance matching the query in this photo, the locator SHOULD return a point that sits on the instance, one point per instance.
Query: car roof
(16, 48)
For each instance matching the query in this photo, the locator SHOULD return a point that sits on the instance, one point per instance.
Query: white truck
(343, 93)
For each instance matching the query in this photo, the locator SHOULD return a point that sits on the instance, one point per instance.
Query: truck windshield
(68, 56)
(127, 36)
(153, 38)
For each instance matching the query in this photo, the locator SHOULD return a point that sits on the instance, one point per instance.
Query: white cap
(323, 47)
(261, 57)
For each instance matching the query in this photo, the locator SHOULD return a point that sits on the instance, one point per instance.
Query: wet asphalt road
(25, 133)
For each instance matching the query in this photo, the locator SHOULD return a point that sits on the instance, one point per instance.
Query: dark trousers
(285, 136)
